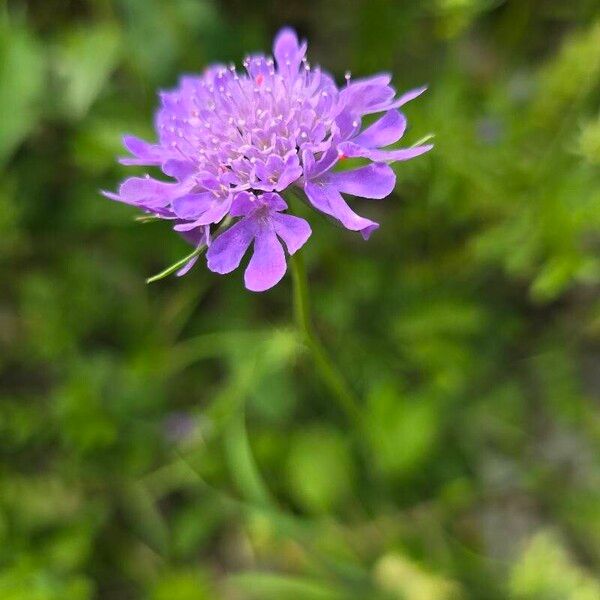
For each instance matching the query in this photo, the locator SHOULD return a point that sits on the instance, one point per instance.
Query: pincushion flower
(232, 143)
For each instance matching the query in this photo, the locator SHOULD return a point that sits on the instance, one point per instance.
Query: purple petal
(408, 96)
(243, 204)
(274, 201)
(294, 231)
(186, 226)
(400, 154)
(191, 206)
(287, 52)
(203, 208)
(144, 152)
(368, 95)
(267, 265)
(188, 265)
(291, 171)
(273, 165)
(351, 149)
(379, 79)
(137, 146)
(197, 236)
(347, 124)
(388, 130)
(150, 193)
(314, 169)
(180, 169)
(111, 195)
(376, 180)
(227, 250)
(216, 212)
(326, 198)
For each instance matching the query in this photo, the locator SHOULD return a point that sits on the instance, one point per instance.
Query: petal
(144, 152)
(188, 265)
(267, 265)
(314, 169)
(180, 169)
(287, 52)
(196, 236)
(367, 95)
(290, 173)
(347, 124)
(376, 180)
(408, 96)
(274, 201)
(353, 150)
(389, 129)
(150, 193)
(294, 231)
(243, 204)
(258, 68)
(203, 208)
(379, 79)
(326, 198)
(185, 226)
(191, 206)
(308, 163)
(137, 146)
(227, 250)
(216, 212)
(273, 165)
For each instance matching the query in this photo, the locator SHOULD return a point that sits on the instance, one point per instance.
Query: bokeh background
(172, 441)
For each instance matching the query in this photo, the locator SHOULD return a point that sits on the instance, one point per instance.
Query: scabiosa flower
(233, 143)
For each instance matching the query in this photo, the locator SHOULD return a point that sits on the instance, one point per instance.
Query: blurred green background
(172, 441)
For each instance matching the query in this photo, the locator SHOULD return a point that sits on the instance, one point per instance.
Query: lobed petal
(367, 96)
(273, 201)
(179, 169)
(191, 206)
(327, 198)
(408, 96)
(387, 130)
(197, 236)
(294, 231)
(149, 193)
(290, 173)
(227, 250)
(144, 152)
(353, 150)
(243, 204)
(287, 52)
(187, 267)
(376, 180)
(267, 265)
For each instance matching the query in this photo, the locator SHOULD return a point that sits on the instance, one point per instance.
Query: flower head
(233, 142)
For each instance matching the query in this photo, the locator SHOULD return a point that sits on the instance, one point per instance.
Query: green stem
(327, 370)
(181, 262)
(176, 266)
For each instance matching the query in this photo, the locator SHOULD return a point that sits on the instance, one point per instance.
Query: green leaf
(320, 470)
(84, 61)
(21, 84)
(403, 430)
(272, 586)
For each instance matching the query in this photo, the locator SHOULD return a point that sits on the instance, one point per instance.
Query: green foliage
(319, 469)
(21, 84)
(546, 572)
(173, 441)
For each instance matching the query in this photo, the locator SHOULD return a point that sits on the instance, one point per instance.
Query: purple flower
(263, 223)
(233, 142)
